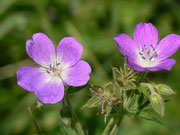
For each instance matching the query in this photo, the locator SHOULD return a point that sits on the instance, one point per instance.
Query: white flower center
(58, 70)
(146, 56)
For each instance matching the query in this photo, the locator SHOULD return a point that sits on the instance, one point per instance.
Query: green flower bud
(157, 103)
(143, 87)
(66, 115)
(164, 89)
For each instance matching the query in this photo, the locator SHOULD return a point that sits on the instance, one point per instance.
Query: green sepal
(145, 90)
(134, 107)
(108, 110)
(164, 89)
(157, 103)
(92, 102)
(116, 73)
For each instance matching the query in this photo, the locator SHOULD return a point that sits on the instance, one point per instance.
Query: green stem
(34, 121)
(109, 126)
(116, 126)
(142, 76)
(74, 117)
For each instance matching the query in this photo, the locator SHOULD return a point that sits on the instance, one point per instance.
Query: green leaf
(66, 130)
(72, 90)
(93, 102)
(148, 116)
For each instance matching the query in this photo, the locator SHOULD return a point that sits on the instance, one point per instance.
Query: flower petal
(166, 64)
(168, 46)
(41, 49)
(132, 63)
(78, 74)
(69, 51)
(145, 34)
(31, 78)
(52, 92)
(126, 45)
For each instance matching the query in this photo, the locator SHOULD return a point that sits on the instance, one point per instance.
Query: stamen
(153, 56)
(58, 64)
(148, 53)
(152, 47)
(48, 71)
(140, 53)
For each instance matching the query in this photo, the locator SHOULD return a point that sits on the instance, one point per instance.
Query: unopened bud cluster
(131, 93)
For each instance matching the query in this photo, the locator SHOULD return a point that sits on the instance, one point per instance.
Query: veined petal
(31, 78)
(165, 64)
(41, 50)
(168, 46)
(52, 92)
(133, 63)
(145, 34)
(126, 45)
(69, 51)
(78, 74)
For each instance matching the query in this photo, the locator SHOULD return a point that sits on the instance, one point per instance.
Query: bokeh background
(93, 23)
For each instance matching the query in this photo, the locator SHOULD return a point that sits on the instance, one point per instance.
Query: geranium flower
(144, 52)
(47, 80)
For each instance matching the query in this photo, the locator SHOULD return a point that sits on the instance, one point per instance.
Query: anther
(152, 47)
(48, 71)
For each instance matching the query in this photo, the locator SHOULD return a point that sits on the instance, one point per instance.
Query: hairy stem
(142, 76)
(109, 126)
(116, 125)
(34, 121)
(74, 117)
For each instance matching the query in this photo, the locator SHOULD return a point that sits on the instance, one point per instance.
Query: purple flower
(144, 52)
(65, 66)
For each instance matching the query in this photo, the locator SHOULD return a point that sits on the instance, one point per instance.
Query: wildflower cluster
(129, 93)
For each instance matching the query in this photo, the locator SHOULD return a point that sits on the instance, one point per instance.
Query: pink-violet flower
(47, 80)
(144, 52)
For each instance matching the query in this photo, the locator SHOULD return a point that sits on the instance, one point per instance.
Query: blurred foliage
(93, 23)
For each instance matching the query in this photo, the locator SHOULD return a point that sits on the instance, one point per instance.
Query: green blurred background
(93, 23)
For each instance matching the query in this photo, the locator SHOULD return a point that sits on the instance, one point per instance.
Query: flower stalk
(74, 117)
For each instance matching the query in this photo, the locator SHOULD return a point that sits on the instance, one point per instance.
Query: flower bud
(164, 89)
(66, 115)
(143, 87)
(157, 103)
